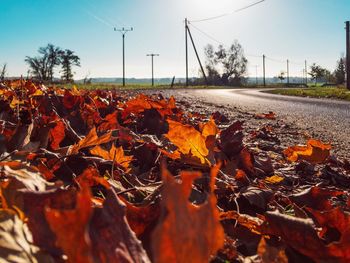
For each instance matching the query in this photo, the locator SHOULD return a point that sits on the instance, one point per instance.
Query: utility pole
(256, 74)
(264, 70)
(152, 56)
(287, 71)
(347, 54)
(306, 72)
(186, 46)
(195, 50)
(123, 31)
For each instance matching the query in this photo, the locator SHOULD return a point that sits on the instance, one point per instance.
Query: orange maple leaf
(114, 154)
(314, 152)
(90, 140)
(186, 232)
(188, 140)
(209, 128)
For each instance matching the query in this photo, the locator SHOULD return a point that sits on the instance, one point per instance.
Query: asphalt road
(325, 119)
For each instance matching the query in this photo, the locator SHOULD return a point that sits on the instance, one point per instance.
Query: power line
(99, 19)
(227, 14)
(275, 60)
(296, 63)
(217, 41)
(206, 34)
(209, 36)
(253, 56)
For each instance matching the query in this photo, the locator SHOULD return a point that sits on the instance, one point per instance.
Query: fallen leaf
(186, 231)
(112, 239)
(114, 154)
(315, 197)
(29, 176)
(231, 139)
(188, 140)
(91, 140)
(140, 218)
(275, 179)
(16, 241)
(110, 122)
(314, 152)
(57, 134)
(271, 254)
(70, 99)
(270, 116)
(209, 128)
(71, 227)
(301, 235)
(257, 197)
(252, 223)
(92, 177)
(34, 205)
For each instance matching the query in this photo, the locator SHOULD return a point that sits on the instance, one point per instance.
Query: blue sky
(281, 29)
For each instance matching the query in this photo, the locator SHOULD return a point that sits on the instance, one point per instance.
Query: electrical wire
(253, 56)
(247, 54)
(217, 41)
(206, 34)
(227, 14)
(296, 63)
(275, 60)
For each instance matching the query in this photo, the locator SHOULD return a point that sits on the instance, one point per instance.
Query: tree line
(338, 76)
(42, 66)
(223, 66)
(228, 66)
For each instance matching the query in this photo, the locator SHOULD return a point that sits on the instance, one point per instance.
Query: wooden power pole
(264, 70)
(347, 54)
(287, 71)
(186, 46)
(152, 56)
(306, 72)
(123, 31)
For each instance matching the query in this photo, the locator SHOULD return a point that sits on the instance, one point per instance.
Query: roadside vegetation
(315, 92)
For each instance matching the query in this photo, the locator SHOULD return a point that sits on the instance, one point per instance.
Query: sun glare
(219, 5)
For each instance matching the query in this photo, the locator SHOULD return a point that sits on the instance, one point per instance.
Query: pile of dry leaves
(105, 176)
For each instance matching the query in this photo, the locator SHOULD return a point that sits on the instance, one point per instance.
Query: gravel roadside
(297, 119)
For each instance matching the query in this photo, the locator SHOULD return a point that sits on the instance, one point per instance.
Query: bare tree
(37, 67)
(51, 55)
(3, 72)
(229, 65)
(87, 79)
(68, 60)
(42, 67)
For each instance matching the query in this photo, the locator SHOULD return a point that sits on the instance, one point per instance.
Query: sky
(297, 30)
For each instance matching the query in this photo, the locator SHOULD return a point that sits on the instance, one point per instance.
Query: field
(315, 92)
(142, 86)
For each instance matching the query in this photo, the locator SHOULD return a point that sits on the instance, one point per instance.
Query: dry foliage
(106, 176)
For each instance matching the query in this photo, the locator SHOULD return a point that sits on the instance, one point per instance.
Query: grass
(146, 86)
(315, 92)
(94, 86)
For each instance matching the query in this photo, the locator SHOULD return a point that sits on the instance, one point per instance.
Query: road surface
(325, 119)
